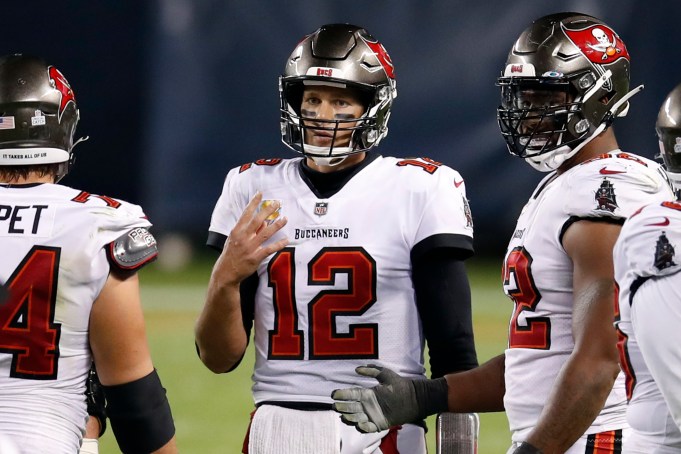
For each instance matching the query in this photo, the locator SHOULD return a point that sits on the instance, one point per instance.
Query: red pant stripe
(604, 443)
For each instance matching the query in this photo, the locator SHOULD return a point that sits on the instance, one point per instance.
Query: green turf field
(212, 411)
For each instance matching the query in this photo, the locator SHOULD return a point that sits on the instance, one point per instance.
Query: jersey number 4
(519, 285)
(27, 328)
(286, 340)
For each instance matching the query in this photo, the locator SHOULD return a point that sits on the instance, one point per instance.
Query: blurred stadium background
(173, 93)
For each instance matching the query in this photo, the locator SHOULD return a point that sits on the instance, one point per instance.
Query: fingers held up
(247, 245)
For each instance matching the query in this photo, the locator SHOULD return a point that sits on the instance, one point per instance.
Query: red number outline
(27, 327)
(361, 341)
(429, 165)
(537, 333)
(625, 360)
(285, 340)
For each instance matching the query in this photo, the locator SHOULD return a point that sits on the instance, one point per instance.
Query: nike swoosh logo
(458, 183)
(606, 171)
(661, 224)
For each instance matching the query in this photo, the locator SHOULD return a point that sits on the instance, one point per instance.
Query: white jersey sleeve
(613, 186)
(231, 203)
(445, 212)
(647, 273)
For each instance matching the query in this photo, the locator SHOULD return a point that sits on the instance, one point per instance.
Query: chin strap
(329, 162)
(66, 166)
(624, 99)
(322, 155)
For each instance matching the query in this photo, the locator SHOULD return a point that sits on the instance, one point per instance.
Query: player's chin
(321, 141)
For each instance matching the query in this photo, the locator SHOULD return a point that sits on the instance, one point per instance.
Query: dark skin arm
(586, 379)
(478, 390)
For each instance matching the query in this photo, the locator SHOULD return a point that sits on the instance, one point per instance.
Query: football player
(337, 257)
(565, 81)
(69, 262)
(647, 269)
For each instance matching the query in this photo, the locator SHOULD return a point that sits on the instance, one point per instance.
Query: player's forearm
(580, 391)
(220, 335)
(478, 390)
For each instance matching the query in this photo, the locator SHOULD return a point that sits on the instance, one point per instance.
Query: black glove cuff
(431, 396)
(526, 448)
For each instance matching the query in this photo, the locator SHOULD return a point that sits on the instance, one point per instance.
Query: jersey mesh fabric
(648, 323)
(538, 274)
(348, 263)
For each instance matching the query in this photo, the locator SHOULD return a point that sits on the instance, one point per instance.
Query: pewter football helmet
(346, 56)
(668, 127)
(565, 80)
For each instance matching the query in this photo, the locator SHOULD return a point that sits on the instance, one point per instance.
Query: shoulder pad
(133, 250)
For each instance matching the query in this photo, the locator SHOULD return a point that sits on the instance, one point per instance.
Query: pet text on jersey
(20, 219)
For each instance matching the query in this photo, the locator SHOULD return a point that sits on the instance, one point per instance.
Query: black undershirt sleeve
(443, 299)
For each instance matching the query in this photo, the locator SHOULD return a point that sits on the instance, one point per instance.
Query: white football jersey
(340, 294)
(537, 277)
(53, 265)
(647, 265)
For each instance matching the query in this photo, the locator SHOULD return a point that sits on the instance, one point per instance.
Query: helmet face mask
(581, 67)
(533, 115)
(346, 57)
(39, 109)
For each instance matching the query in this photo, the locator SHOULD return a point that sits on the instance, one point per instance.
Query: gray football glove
(395, 401)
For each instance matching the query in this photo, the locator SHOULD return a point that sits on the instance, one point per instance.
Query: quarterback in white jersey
(341, 292)
(70, 293)
(337, 258)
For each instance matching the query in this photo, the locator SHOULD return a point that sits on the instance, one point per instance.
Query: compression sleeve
(443, 298)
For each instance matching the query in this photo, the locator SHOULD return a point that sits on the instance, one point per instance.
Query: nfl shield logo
(320, 208)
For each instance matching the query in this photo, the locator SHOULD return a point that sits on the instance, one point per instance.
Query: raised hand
(245, 247)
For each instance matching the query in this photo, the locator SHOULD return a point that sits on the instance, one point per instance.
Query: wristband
(526, 448)
(431, 396)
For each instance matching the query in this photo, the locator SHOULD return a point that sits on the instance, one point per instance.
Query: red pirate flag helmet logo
(60, 84)
(599, 43)
(382, 56)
